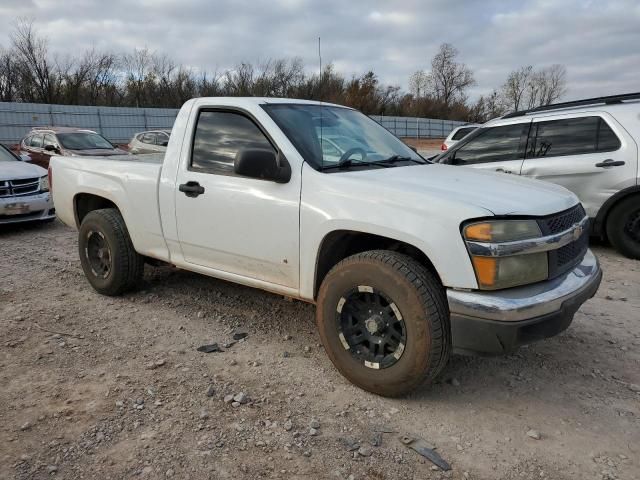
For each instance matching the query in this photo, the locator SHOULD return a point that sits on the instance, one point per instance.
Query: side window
(36, 141)
(494, 144)
(460, 134)
(570, 136)
(219, 136)
(27, 141)
(50, 140)
(607, 139)
(148, 138)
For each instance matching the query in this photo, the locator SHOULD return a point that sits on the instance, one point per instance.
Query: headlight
(502, 231)
(44, 184)
(494, 271)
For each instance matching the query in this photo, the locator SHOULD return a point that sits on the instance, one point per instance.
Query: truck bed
(129, 181)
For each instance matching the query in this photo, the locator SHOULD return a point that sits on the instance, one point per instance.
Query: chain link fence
(119, 124)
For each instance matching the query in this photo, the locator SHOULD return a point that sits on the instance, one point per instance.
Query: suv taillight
(443, 147)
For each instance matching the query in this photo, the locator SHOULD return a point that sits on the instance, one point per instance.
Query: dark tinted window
(607, 139)
(462, 133)
(571, 136)
(219, 136)
(493, 144)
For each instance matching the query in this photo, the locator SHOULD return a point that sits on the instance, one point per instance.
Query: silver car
(588, 146)
(152, 141)
(24, 191)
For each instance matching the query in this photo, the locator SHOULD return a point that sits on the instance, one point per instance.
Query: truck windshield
(84, 141)
(330, 137)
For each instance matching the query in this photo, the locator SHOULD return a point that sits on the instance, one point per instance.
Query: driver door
(235, 224)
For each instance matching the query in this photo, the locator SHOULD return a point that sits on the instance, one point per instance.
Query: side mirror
(262, 164)
(50, 148)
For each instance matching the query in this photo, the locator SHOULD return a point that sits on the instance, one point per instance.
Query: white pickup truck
(406, 260)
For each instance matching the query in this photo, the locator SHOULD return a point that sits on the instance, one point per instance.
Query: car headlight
(495, 271)
(44, 184)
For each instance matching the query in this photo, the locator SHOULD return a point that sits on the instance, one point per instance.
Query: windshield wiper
(400, 158)
(350, 163)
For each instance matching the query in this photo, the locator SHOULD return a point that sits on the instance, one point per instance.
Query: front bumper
(499, 321)
(26, 208)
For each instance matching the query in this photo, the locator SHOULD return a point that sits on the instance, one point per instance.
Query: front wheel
(623, 227)
(109, 261)
(384, 322)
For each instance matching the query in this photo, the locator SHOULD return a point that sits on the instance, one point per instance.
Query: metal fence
(119, 124)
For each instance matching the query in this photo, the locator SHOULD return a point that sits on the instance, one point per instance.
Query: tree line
(30, 72)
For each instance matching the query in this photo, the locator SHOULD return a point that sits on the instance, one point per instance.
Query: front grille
(567, 257)
(16, 188)
(562, 221)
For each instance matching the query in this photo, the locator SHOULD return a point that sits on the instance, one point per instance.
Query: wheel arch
(340, 244)
(83, 203)
(599, 225)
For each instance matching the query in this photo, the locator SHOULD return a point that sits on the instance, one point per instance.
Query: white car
(588, 146)
(458, 134)
(405, 259)
(153, 141)
(24, 191)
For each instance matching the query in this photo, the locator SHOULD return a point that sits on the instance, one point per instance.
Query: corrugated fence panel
(119, 124)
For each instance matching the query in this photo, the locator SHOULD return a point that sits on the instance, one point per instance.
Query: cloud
(597, 41)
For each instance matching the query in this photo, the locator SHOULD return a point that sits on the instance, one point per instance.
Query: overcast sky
(598, 41)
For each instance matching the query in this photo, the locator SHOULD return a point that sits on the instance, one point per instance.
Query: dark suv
(43, 142)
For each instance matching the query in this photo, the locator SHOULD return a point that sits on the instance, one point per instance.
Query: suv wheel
(623, 227)
(108, 258)
(384, 322)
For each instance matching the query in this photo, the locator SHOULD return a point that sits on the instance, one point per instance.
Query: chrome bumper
(530, 301)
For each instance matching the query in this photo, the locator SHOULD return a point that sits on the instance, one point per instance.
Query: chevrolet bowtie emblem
(577, 231)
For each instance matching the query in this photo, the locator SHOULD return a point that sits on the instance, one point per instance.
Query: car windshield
(329, 136)
(84, 141)
(6, 156)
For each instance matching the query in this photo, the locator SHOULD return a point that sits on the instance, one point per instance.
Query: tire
(123, 266)
(623, 227)
(421, 304)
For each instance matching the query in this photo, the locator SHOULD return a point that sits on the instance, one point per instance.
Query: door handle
(609, 162)
(503, 170)
(191, 189)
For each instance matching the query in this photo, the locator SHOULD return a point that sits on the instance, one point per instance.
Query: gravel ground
(98, 387)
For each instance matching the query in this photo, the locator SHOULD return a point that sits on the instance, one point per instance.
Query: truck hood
(500, 193)
(18, 170)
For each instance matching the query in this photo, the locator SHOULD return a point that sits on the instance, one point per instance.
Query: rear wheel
(623, 227)
(384, 322)
(108, 258)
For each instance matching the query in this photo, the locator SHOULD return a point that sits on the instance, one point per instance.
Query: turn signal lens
(486, 270)
(502, 231)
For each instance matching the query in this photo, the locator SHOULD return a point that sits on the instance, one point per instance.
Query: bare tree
(516, 85)
(35, 69)
(448, 78)
(531, 88)
(419, 83)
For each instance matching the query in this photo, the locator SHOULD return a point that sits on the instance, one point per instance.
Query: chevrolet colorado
(405, 260)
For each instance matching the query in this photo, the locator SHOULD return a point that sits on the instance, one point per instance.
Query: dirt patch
(120, 391)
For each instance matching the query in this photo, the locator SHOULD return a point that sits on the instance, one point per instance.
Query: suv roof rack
(608, 100)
